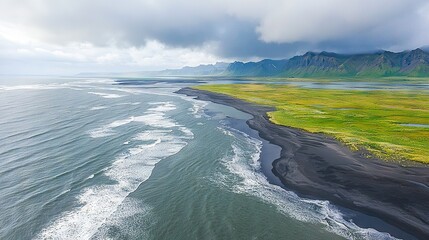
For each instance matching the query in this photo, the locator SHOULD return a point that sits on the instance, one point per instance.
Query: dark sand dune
(315, 165)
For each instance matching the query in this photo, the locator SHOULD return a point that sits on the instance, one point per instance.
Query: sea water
(92, 159)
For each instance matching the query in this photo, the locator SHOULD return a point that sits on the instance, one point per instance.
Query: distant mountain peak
(312, 64)
(324, 64)
(309, 54)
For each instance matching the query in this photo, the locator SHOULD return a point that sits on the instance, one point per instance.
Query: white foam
(31, 87)
(107, 130)
(141, 148)
(64, 192)
(121, 122)
(128, 103)
(148, 136)
(243, 161)
(127, 90)
(128, 171)
(159, 92)
(163, 107)
(93, 84)
(98, 108)
(132, 219)
(75, 85)
(153, 117)
(225, 132)
(159, 103)
(99, 133)
(107, 81)
(198, 108)
(187, 132)
(107, 95)
(156, 120)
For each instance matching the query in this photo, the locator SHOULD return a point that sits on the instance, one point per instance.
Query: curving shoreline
(318, 166)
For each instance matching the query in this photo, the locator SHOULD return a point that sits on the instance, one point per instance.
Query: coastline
(318, 166)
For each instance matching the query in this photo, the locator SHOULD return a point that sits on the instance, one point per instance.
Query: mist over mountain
(216, 69)
(203, 70)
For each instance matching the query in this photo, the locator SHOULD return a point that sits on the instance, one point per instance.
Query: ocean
(90, 158)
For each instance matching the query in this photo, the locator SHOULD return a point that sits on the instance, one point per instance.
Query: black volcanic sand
(150, 82)
(317, 166)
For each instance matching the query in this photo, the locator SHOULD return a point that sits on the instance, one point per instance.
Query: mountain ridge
(413, 63)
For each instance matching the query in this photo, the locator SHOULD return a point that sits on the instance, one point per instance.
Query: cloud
(84, 57)
(177, 23)
(316, 21)
(104, 31)
(346, 26)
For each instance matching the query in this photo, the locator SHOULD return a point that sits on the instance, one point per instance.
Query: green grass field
(398, 79)
(370, 120)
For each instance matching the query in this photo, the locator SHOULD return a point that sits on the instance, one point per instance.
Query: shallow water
(91, 159)
(415, 125)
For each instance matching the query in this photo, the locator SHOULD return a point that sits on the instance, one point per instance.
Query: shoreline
(318, 166)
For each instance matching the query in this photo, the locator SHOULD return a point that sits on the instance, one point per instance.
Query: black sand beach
(317, 166)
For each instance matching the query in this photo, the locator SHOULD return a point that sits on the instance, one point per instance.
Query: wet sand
(318, 166)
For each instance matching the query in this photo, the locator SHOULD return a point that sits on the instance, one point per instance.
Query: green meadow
(392, 79)
(391, 125)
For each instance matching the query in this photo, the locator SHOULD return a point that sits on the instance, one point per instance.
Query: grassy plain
(395, 79)
(372, 120)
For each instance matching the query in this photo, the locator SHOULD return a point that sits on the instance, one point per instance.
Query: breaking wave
(100, 205)
(243, 162)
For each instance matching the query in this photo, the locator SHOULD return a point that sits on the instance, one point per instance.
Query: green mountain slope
(408, 63)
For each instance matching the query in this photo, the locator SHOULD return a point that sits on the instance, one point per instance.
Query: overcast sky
(72, 36)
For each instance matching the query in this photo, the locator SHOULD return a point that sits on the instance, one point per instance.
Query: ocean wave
(198, 106)
(100, 205)
(131, 221)
(154, 117)
(107, 130)
(162, 107)
(47, 86)
(32, 87)
(188, 133)
(98, 108)
(129, 170)
(107, 81)
(243, 162)
(128, 103)
(156, 120)
(107, 95)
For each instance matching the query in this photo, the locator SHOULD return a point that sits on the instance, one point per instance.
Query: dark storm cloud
(239, 40)
(234, 29)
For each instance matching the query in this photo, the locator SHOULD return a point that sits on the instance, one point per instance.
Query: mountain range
(413, 63)
(325, 64)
